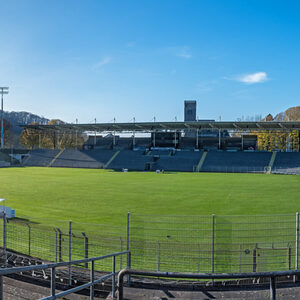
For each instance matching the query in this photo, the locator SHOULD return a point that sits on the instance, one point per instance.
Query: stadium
(161, 201)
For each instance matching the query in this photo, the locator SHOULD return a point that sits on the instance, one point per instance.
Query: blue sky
(124, 59)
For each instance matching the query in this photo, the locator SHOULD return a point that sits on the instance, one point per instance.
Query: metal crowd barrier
(53, 267)
(271, 275)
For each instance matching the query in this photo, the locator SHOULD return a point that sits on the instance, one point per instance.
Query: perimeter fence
(212, 244)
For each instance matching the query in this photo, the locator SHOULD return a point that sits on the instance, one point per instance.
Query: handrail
(8, 271)
(53, 266)
(271, 275)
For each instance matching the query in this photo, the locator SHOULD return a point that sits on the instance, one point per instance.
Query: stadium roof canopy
(161, 126)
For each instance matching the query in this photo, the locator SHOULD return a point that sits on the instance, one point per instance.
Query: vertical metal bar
(297, 242)
(240, 258)
(272, 288)
(113, 283)
(55, 245)
(242, 136)
(29, 238)
(70, 252)
(1, 287)
(2, 129)
(121, 256)
(92, 278)
(128, 246)
(86, 249)
(53, 282)
(59, 245)
(4, 238)
(198, 257)
(197, 138)
(254, 259)
(158, 256)
(219, 139)
(213, 245)
(297, 246)
(289, 257)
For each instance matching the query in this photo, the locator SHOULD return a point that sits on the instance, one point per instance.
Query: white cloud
(184, 53)
(253, 78)
(104, 61)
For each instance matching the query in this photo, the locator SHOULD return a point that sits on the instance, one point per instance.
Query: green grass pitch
(105, 197)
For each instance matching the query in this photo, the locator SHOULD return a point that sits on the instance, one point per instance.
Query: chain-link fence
(214, 243)
(167, 243)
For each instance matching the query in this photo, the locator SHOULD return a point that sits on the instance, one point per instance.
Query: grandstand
(189, 146)
(167, 160)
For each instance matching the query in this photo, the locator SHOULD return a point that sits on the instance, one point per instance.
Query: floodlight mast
(3, 90)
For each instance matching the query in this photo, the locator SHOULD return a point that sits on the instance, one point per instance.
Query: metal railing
(210, 244)
(212, 276)
(54, 266)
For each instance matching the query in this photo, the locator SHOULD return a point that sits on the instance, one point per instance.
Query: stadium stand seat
(222, 161)
(76, 159)
(184, 161)
(287, 163)
(131, 160)
(41, 157)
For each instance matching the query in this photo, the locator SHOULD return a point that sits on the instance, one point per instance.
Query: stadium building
(189, 146)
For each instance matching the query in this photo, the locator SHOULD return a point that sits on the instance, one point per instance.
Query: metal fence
(213, 244)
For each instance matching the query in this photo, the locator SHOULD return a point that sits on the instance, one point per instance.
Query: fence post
(255, 258)
(55, 244)
(29, 238)
(114, 277)
(4, 239)
(158, 256)
(86, 249)
(1, 287)
(59, 245)
(92, 278)
(213, 245)
(70, 252)
(272, 288)
(128, 246)
(121, 256)
(53, 283)
(198, 257)
(297, 246)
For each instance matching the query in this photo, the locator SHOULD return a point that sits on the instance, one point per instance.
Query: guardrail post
(70, 253)
(4, 239)
(29, 238)
(297, 246)
(86, 249)
(128, 247)
(272, 288)
(53, 282)
(113, 283)
(92, 278)
(59, 245)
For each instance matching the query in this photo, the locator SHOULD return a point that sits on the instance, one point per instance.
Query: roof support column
(40, 144)
(242, 137)
(174, 138)
(197, 138)
(219, 139)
